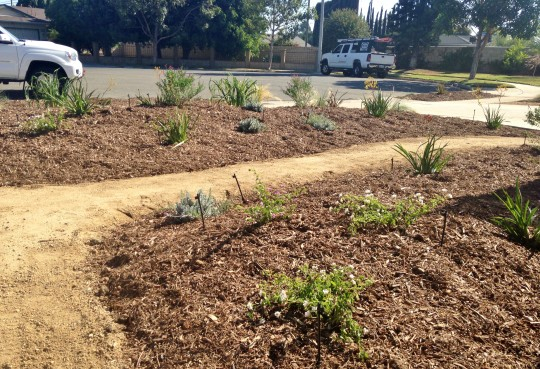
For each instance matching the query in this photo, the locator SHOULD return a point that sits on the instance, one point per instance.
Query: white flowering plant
(368, 211)
(336, 292)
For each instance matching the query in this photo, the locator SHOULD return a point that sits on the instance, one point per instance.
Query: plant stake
(239, 189)
(319, 335)
(198, 198)
(444, 227)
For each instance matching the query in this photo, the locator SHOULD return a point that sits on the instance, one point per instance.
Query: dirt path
(49, 315)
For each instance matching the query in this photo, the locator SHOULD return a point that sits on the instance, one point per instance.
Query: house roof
(19, 14)
(296, 41)
(455, 40)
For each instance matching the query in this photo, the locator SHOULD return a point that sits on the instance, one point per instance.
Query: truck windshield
(5, 32)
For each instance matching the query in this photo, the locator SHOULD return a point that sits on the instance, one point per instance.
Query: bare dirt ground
(50, 316)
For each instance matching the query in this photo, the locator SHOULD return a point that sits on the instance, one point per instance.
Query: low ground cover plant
(250, 125)
(254, 106)
(522, 225)
(45, 123)
(331, 294)
(176, 87)
(301, 91)
(430, 160)
(320, 122)
(174, 129)
(234, 91)
(369, 212)
(188, 209)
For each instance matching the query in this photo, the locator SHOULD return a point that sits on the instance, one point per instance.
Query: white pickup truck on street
(20, 60)
(355, 56)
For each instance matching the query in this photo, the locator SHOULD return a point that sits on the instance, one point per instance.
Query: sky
(364, 4)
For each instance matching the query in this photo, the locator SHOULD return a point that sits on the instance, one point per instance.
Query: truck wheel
(325, 69)
(382, 74)
(39, 72)
(357, 70)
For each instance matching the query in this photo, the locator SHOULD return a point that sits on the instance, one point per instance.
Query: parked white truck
(20, 60)
(358, 55)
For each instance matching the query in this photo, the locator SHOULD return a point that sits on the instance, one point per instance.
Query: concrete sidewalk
(514, 114)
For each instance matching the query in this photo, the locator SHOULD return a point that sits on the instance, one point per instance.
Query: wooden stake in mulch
(392, 165)
(239, 189)
(198, 198)
(444, 227)
(319, 335)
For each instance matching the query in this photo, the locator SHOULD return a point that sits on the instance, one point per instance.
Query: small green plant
(174, 129)
(272, 204)
(368, 211)
(522, 225)
(176, 87)
(254, 106)
(144, 100)
(188, 209)
(494, 118)
(78, 100)
(250, 125)
(533, 117)
(49, 88)
(301, 91)
(234, 91)
(331, 294)
(43, 124)
(377, 105)
(371, 84)
(441, 89)
(334, 99)
(320, 122)
(431, 160)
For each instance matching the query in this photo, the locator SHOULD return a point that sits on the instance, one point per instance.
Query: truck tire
(41, 70)
(357, 70)
(382, 73)
(325, 69)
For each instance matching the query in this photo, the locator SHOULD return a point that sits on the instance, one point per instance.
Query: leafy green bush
(176, 88)
(522, 225)
(533, 117)
(336, 292)
(301, 91)
(431, 159)
(320, 122)
(368, 211)
(250, 125)
(254, 106)
(174, 129)
(234, 91)
(272, 204)
(44, 124)
(187, 209)
(377, 105)
(494, 118)
(457, 61)
(514, 58)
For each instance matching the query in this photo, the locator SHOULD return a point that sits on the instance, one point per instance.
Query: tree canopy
(343, 23)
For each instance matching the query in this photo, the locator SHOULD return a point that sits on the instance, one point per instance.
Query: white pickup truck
(20, 60)
(354, 56)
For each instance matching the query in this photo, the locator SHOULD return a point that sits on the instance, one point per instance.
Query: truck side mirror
(5, 39)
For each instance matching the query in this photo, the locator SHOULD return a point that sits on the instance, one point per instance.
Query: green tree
(517, 18)
(343, 23)
(515, 58)
(32, 3)
(283, 17)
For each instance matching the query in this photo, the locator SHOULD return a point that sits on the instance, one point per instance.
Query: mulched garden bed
(120, 141)
(449, 96)
(182, 292)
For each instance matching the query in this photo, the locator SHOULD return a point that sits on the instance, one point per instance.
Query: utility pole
(321, 27)
(307, 21)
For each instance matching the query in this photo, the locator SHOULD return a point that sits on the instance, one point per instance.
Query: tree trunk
(271, 50)
(155, 46)
(481, 43)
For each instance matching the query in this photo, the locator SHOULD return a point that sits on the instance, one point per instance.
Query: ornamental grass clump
(430, 160)
(332, 295)
(176, 87)
(378, 105)
(250, 125)
(494, 118)
(174, 129)
(78, 101)
(234, 91)
(320, 122)
(522, 225)
(49, 88)
(301, 91)
(369, 212)
(188, 209)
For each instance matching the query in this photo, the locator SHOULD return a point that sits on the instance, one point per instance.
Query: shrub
(377, 105)
(441, 89)
(272, 204)
(494, 118)
(44, 124)
(250, 125)
(431, 159)
(176, 88)
(187, 209)
(320, 122)
(514, 58)
(533, 117)
(301, 91)
(335, 292)
(233, 91)
(368, 211)
(174, 129)
(521, 226)
(254, 106)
